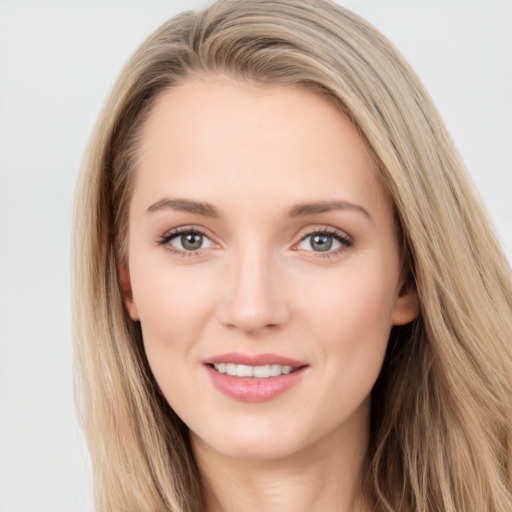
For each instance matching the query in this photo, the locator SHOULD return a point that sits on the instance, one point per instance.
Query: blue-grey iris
(321, 242)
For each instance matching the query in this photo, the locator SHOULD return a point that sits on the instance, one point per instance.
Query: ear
(126, 287)
(407, 306)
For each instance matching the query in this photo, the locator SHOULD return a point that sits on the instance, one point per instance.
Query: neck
(316, 479)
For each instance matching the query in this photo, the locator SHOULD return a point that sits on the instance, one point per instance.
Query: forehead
(275, 142)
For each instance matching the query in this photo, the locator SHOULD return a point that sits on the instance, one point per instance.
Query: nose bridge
(254, 296)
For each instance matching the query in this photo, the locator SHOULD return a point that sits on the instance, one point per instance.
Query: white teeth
(244, 371)
(275, 370)
(286, 370)
(260, 372)
(231, 369)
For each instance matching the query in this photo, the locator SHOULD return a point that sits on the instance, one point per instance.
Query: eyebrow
(299, 210)
(185, 205)
(304, 209)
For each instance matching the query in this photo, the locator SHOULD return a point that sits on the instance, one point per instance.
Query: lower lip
(250, 389)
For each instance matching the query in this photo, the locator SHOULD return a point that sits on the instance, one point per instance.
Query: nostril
(252, 297)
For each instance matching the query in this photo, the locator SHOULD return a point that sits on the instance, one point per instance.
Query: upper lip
(254, 359)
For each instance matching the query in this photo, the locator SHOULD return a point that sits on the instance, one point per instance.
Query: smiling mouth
(254, 377)
(260, 372)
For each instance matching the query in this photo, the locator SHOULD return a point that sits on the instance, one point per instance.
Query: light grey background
(58, 60)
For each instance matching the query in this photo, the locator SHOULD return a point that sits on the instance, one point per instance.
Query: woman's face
(263, 266)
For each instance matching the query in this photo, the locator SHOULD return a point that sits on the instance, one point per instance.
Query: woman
(287, 292)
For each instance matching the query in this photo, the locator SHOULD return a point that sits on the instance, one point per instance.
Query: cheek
(173, 304)
(352, 321)
(352, 324)
(355, 299)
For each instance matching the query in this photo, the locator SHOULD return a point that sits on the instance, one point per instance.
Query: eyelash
(345, 241)
(170, 235)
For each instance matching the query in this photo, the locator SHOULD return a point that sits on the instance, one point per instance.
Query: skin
(257, 284)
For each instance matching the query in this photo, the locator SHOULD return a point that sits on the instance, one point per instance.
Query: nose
(254, 297)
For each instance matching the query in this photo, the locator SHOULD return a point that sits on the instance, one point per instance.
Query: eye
(187, 240)
(324, 241)
(190, 241)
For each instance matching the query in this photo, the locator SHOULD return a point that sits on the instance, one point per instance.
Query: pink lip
(252, 389)
(254, 359)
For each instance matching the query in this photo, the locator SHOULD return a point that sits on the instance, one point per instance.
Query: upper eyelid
(171, 233)
(326, 229)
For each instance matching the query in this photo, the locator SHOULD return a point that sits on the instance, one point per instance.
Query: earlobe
(407, 306)
(126, 288)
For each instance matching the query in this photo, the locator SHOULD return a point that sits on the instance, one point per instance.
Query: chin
(255, 441)
(255, 449)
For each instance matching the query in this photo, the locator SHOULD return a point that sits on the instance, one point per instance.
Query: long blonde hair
(441, 425)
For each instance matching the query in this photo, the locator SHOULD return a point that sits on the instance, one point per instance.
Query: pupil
(191, 241)
(321, 242)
